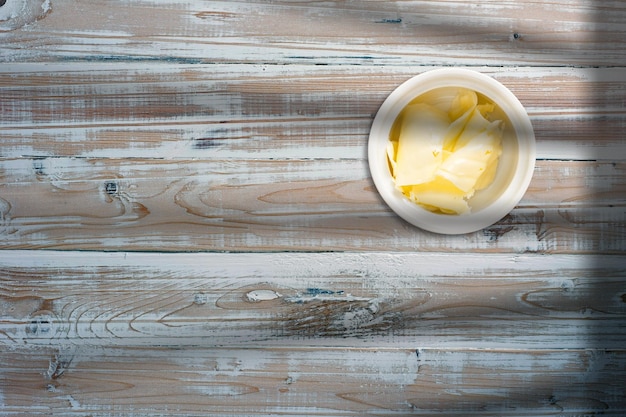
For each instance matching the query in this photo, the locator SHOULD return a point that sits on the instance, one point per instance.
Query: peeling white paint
(308, 297)
(363, 294)
(15, 14)
(374, 265)
(74, 404)
(256, 296)
(11, 10)
(218, 390)
(46, 6)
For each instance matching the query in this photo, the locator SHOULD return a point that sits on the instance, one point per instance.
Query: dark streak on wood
(206, 143)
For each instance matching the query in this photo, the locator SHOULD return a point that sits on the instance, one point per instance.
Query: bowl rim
(428, 81)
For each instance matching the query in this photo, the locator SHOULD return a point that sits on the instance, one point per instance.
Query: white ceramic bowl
(515, 168)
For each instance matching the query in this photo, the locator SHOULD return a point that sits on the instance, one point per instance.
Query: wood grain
(269, 111)
(197, 175)
(536, 33)
(312, 382)
(311, 334)
(197, 205)
(377, 299)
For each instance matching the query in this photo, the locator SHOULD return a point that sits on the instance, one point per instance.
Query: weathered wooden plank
(250, 111)
(414, 300)
(315, 205)
(331, 32)
(186, 125)
(312, 381)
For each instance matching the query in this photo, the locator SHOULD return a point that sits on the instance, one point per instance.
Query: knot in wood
(110, 188)
(41, 324)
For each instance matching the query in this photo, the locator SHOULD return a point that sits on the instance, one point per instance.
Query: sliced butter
(466, 164)
(420, 144)
(440, 159)
(440, 194)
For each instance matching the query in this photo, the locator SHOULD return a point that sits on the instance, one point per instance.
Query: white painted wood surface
(374, 299)
(188, 225)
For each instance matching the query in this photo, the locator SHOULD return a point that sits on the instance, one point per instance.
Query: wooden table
(189, 226)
